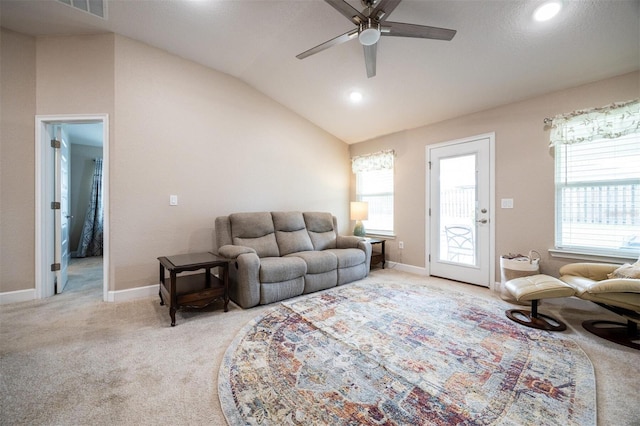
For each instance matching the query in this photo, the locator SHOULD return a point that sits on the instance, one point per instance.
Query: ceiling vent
(94, 7)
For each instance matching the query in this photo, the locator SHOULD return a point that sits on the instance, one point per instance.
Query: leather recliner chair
(620, 295)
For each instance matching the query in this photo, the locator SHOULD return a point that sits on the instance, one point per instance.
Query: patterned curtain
(609, 122)
(377, 161)
(91, 237)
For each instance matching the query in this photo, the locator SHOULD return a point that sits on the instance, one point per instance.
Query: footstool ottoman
(534, 288)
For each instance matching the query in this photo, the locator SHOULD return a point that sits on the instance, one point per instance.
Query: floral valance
(609, 122)
(376, 161)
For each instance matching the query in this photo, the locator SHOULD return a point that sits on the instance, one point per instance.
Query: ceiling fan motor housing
(369, 3)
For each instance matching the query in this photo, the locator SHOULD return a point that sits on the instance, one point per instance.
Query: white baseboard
(17, 296)
(112, 296)
(417, 270)
(133, 293)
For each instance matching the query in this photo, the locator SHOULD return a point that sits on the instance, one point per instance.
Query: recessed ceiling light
(355, 96)
(547, 11)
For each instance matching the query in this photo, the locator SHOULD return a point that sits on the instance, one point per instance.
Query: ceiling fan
(371, 24)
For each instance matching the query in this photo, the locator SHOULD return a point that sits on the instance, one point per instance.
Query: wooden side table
(195, 290)
(377, 256)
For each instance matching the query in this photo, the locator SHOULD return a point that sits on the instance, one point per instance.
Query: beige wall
(219, 145)
(17, 160)
(524, 168)
(75, 75)
(175, 128)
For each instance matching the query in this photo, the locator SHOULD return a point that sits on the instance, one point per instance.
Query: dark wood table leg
(161, 284)
(174, 299)
(383, 256)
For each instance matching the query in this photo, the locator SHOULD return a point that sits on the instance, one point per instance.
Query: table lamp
(359, 212)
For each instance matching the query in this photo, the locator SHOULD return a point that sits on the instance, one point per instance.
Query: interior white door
(460, 225)
(62, 215)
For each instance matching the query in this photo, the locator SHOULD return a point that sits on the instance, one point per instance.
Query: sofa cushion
(254, 230)
(275, 292)
(277, 269)
(318, 262)
(264, 246)
(349, 257)
(321, 230)
(291, 233)
(288, 221)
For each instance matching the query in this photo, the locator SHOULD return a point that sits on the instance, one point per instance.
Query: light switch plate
(173, 200)
(506, 203)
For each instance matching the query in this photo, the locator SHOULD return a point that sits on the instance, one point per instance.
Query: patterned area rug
(393, 354)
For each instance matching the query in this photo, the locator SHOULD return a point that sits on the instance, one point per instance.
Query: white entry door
(460, 221)
(62, 215)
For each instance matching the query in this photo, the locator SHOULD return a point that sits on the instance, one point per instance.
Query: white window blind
(598, 191)
(374, 185)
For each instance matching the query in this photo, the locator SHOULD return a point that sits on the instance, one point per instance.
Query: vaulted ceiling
(499, 54)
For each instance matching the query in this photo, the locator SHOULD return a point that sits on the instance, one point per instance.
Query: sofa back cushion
(254, 230)
(223, 231)
(291, 232)
(321, 230)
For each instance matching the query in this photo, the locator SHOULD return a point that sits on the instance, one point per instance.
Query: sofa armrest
(349, 241)
(232, 252)
(593, 271)
(246, 292)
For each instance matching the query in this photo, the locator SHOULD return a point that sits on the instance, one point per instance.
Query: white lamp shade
(359, 210)
(369, 36)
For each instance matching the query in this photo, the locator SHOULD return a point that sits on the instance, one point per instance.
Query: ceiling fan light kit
(370, 27)
(369, 33)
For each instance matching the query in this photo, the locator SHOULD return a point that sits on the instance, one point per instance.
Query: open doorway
(71, 203)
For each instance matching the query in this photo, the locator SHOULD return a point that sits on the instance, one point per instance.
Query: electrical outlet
(401, 245)
(173, 200)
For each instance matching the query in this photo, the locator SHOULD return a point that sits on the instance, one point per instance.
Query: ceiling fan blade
(384, 9)
(347, 11)
(400, 29)
(370, 59)
(327, 44)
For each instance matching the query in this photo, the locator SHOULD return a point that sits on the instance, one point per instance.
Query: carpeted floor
(73, 359)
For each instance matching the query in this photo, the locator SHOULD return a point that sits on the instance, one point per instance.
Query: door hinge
(55, 143)
(429, 258)
(429, 165)
(55, 267)
(55, 205)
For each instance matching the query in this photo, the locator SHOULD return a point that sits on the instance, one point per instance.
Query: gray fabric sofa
(278, 255)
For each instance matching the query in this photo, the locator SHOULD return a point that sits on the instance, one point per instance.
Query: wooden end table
(377, 256)
(194, 290)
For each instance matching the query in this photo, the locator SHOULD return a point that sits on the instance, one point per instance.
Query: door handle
(482, 221)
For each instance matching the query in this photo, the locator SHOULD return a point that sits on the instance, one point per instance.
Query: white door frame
(44, 255)
(492, 202)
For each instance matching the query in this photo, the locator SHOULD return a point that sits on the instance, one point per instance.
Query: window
(597, 175)
(374, 185)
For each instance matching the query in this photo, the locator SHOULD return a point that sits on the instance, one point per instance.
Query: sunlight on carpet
(397, 354)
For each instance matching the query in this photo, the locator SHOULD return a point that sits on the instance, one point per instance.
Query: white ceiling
(84, 133)
(499, 54)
